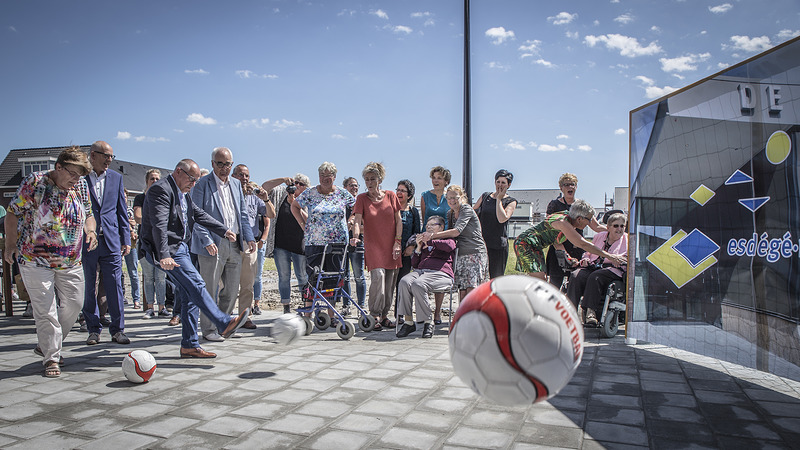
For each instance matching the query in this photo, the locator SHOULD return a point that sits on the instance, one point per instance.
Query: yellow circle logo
(778, 147)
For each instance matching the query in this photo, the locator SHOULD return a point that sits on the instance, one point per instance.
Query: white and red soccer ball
(516, 340)
(138, 366)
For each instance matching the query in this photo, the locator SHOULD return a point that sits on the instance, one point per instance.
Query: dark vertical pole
(467, 183)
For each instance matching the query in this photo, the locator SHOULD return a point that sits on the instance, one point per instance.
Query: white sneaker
(149, 314)
(213, 337)
(28, 311)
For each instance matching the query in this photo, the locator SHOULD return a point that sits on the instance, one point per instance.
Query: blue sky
(289, 84)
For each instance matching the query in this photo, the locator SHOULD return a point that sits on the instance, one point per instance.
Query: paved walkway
(374, 391)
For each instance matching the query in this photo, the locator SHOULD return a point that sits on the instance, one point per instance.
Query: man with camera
(285, 238)
(259, 211)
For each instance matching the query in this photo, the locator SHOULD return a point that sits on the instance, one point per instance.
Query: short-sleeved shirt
(327, 215)
(434, 207)
(254, 206)
(470, 237)
(379, 230)
(51, 219)
(495, 234)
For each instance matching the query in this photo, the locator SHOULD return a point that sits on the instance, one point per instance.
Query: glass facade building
(715, 216)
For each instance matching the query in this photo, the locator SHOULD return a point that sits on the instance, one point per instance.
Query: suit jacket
(112, 217)
(163, 228)
(206, 196)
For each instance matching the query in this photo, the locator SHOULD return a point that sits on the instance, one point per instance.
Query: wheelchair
(613, 312)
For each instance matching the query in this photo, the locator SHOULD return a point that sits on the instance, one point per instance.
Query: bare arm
(272, 184)
(137, 214)
(503, 214)
(297, 212)
(596, 226)
(569, 231)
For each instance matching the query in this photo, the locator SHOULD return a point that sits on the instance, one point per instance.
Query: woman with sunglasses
(568, 184)
(595, 274)
(558, 228)
(285, 235)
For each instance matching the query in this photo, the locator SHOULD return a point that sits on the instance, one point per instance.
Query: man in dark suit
(166, 217)
(110, 209)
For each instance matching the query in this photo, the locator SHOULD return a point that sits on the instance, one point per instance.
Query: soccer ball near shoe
(138, 366)
(288, 328)
(516, 340)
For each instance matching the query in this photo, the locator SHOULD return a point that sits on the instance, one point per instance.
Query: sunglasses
(107, 156)
(618, 225)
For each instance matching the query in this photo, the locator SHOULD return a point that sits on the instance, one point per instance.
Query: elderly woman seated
(432, 262)
(595, 275)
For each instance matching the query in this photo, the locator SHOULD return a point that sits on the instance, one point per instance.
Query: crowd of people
(203, 238)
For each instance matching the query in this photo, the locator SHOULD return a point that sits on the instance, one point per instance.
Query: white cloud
(626, 45)
(723, 65)
(337, 136)
(347, 12)
(402, 29)
(196, 72)
(514, 145)
(177, 130)
(428, 16)
(12, 28)
(372, 136)
(748, 44)
(562, 18)
(544, 63)
(683, 63)
(201, 119)
(646, 81)
(250, 74)
(785, 35)
(562, 136)
(552, 148)
(572, 34)
(380, 14)
(496, 65)
(614, 1)
(150, 139)
(624, 19)
(720, 9)
(255, 123)
(679, 76)
(585, 148)
(529, 48)
(498, 35)
(619, 131)
(655, 29)
(283, 124)
(123, 135)
(651, 90)
(596, 22)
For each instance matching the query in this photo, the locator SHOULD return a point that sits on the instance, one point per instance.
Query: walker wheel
(322, 320)
(367, 323)
(346, 330)
(309, 325)
(610, 324)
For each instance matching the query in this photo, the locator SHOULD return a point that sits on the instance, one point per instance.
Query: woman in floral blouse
(49, 220)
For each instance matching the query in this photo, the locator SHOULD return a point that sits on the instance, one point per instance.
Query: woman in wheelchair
(558, 228)
(595, 274)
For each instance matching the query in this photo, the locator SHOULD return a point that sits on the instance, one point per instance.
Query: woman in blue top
(433, 203)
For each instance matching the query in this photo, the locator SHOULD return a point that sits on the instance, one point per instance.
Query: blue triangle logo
(738, 177)
(753, 203)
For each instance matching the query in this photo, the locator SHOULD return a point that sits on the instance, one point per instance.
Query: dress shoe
(427, 330)
(213, 337)
(175, 321)
(249, 325)
(196, 352)
(406, 329)
(236, 323)
(120, 338)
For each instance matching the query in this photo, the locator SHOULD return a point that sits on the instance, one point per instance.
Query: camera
(256, 190)
(291, 188)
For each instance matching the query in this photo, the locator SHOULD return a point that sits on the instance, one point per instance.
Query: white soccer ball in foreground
(138, 366)
(288, 328)
(516, 340)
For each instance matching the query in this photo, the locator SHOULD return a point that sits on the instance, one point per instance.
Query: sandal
(386, 323)
(51, 370)
(377, 327)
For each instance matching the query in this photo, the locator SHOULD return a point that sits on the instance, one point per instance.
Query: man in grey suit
(219, 260)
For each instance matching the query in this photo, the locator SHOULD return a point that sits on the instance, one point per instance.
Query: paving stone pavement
(374, 391)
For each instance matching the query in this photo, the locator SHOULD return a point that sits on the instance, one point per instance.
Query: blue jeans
(284, 260)
(257, 284)
(155, 284)
(355, 260)
(192, 294)
(132, 264)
